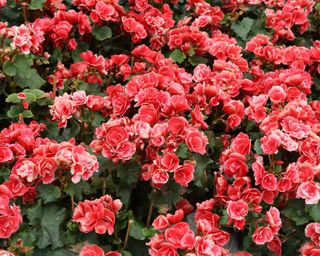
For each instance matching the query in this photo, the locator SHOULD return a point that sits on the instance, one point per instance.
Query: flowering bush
(159, 128)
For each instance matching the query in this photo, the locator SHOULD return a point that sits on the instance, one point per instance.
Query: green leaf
(224, 218)
(314, 211)
(13, 98)
(9, 68)
(30, 97)
(27, 114)
(14, 111)
(126, 253)
(34, 81)
(77, 190)
(177, 56)
(202, 162)
(102, 33)
(38, 94)
(62, 252)
(196, 60)
(51, 226)
(295, 211)
(136, 230)
(257, 147)
(49, 193)
(36, 4)
(183, 151)
(22, 64)
(243, 27)
(128, 174)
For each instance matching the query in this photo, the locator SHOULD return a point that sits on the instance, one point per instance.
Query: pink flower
(313, 231)
(310, 191)
(10, 220)
(270, 144)
(196, 142)
(3, 3)
(5, 253)
(91, 250)
(84, 164)
(262, 235)
(205, 246)
(62, 109)
(184, 174)
(5, 154)
(273, 218)
(95, 215)
(237, 210)
(241, 144)
(277, 94)
(269, 182)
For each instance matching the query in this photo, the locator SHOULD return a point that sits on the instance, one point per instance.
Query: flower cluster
(94, 250)
(97, 215)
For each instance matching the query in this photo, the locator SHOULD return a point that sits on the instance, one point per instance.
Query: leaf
(136, 230)
(9, 68)
(48, 193)
(314, 211)
(36, 4)
(183, 151)
(62, 252)
(196, 60)
(102, 33)
(77, 190)
(34, 81)
(257, 147)
(177, 56)
(38, 94)
(27, 114)
(22, 63)
(13, 98)
(14, 111)
(128, 174)
(51, 225)
(295, 211)
(202, 162)
(243, 27)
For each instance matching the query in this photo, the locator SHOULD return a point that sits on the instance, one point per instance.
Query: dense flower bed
(160, 128)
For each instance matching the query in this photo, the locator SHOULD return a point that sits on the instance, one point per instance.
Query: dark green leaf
(48, 192)
(257, 147)
(102, 33)
(51, 226)
(200, 174)
(295, 211)
(314, 211)
(196, 60)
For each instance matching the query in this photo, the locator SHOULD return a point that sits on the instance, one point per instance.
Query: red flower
(262, 235)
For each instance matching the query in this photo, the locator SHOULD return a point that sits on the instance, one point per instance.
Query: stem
(25, 11)
(115, 233)
(127, 234)
(20, 116)
(72, 203)
(149, 214)
(214, 184)
(104, 184)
